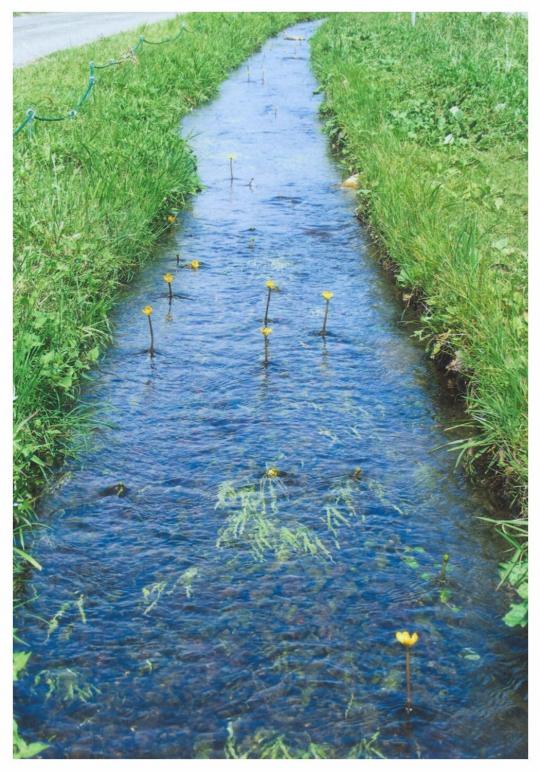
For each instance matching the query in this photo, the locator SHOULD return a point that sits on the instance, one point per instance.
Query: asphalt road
(38, 34)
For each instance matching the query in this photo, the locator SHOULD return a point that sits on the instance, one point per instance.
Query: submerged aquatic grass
(265, 744)
(339, 506)
(151, 594)
(256, 521)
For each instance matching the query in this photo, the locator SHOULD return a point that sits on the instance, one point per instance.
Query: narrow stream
(211, 605)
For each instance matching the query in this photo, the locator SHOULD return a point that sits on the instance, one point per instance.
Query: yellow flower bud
(168, 277)
(406, 639)
(194, 264)
(147, 310)
(271, 285)
(272, 472)
(171, 218)
(327, 295)
(266, 331)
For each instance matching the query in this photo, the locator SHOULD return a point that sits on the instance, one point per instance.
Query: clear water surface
(212, 609)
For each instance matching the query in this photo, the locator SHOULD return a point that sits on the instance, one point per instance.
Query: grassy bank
(434, 120)
(91, 196)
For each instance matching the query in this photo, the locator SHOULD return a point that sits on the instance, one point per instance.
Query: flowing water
(207, 607)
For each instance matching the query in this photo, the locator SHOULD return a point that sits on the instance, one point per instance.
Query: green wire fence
(32, 115)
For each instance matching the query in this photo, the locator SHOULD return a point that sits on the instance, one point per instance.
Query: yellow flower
(171, 218)
(327, 295)
(406, 639)
(272, 472)
(194, 264)
(271, 285)
(147, 310)
(168, 277)
(266, 331)
(231, 157)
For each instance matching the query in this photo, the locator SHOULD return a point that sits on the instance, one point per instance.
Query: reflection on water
(226, 567)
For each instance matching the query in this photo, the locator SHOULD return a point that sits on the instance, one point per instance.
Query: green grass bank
(91, 196)
(433, 118)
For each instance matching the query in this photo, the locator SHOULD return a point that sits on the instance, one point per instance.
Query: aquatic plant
(407, 641)
(22, 749)
(147, 311)
(153, 592)
(266, 332)
(271, 287)
(231, 158)
(254, 521)
(168, 279)
(515, 571)
(444, 566)
(186, 580)
(67, 684)
(516, 574)
(54, 622)
(339, 509)
(327, 295)
(265, 744)
(378, 490)
(195, 265)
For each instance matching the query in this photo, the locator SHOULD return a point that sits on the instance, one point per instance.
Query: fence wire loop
(31, 115)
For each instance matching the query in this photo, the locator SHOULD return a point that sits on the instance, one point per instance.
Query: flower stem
(151, 337)
(442, 576)
(408, 705)
(323, 331)
(267, 307)
(170, 292)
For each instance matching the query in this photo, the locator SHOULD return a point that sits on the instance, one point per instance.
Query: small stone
(351, 182)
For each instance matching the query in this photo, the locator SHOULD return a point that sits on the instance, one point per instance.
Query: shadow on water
(228, 563)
